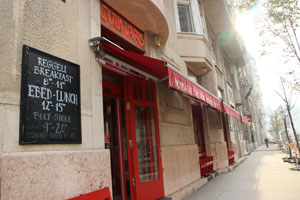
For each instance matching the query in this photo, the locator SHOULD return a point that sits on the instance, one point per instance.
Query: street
(263, 176)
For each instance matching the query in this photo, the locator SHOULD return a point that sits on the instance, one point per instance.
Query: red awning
(245, 120)
(228, 110)
(152, 66)
(182, 84)
(249, 117)
(179, 82)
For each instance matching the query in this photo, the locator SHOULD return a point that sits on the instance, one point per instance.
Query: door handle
(130, 143)
(133, 182)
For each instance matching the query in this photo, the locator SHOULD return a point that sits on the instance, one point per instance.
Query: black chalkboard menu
(50, 99)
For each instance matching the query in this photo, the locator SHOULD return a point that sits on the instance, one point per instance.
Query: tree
(278, 18)
(275, 123)
(287, 95)
(283, 114)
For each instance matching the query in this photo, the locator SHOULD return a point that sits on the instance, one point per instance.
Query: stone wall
(180, 167)
(53, 174)
(61, 29)
(51, 171)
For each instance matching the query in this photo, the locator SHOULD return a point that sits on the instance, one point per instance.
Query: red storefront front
(130, 106)
(130, 109)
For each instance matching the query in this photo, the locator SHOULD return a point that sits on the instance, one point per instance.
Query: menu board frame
(57, 120)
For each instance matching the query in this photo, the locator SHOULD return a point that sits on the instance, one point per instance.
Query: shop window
(185, 19)
(146, 143)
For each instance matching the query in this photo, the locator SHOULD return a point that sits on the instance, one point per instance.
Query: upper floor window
(202, 19)
(220, 93)
(185, 19)
(190, 17)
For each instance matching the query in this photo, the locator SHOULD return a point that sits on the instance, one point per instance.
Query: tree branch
(292, 43)
(295, 36)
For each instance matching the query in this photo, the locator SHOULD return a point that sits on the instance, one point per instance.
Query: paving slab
(263, 176)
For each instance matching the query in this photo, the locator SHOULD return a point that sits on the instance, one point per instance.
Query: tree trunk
(287, 135)
(293, 127)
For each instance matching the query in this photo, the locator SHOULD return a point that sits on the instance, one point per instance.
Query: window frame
(202, 19)
(221, 93)
(189, 14)
(197, 17)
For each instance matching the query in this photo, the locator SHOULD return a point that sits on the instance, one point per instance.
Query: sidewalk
(263, 176)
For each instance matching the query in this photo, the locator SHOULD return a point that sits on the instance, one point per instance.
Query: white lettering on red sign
(180, 83)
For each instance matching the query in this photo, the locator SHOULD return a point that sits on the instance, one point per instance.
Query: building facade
(146, 97)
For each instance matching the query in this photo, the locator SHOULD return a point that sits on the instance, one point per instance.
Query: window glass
(202, 18)
(146, 143)
(220, 93)
(184, 18)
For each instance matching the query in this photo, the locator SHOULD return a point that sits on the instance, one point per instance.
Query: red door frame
(152, 189)
(117, 94)
(200, 138)
(225, 128)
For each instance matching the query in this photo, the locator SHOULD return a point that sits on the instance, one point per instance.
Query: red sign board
(213, 102)
(231, 112)
(180, 83)
(117, 22)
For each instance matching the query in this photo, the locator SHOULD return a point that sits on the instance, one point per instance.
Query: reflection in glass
(126, 164)
(112, 143)
(146, 143)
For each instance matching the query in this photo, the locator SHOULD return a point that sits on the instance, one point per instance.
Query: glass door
(111, 129)
(115, 137)
(146, 179)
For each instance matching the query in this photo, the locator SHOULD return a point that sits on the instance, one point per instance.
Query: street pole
(287, 135)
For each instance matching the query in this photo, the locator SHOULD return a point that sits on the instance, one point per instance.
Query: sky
(269, 67)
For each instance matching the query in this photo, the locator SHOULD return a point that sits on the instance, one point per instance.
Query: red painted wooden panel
(103, 194)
